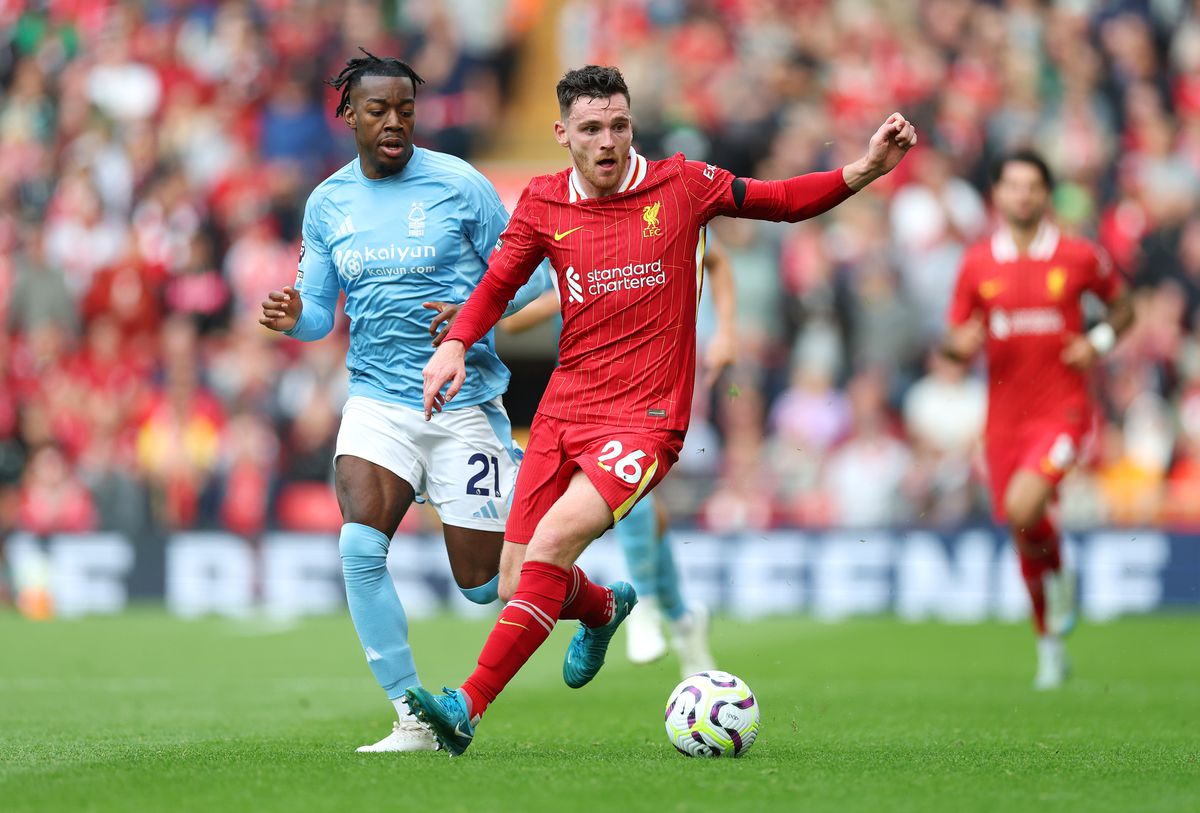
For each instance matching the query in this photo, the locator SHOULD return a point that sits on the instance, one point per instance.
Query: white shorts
(463, 461)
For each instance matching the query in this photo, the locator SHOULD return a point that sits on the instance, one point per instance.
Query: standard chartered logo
(384, 261)
(1026, 322)
(574, 288)
(626, 278)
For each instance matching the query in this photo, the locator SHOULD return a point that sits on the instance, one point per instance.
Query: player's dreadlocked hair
(590, 82)
(369, 65)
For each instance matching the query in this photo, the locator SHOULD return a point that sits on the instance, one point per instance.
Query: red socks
(590, 603)
(544, 594)
(1040, 553)
(524, 623)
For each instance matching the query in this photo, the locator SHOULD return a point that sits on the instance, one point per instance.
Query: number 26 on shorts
(627, 467)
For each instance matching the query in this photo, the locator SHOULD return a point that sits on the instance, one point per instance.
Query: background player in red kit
(626, 236)
(1019, 297)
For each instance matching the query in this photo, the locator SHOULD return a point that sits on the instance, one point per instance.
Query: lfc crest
(650, 215)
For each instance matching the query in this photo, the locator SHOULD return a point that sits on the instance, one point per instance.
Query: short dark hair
(590, 82)
(1023, 156)
(369, 65)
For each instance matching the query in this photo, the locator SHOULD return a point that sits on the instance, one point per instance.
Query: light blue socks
(375, 608)
(485, 593)
(651, 565)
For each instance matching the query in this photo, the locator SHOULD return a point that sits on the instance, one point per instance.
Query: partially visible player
(1019, 298)
(642, 533)
(625, 235)
(403, 230)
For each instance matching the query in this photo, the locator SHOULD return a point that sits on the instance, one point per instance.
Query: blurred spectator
(945, 410)
(52, 499)
(934, 217)
(944, 415)
(866, 474)
(39, 292)
(294, 128)
(179, 436)
(247, 474)
(1182, 501)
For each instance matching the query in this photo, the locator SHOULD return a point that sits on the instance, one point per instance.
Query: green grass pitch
(144, 712)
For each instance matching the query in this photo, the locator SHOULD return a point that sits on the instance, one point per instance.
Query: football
(712, 714)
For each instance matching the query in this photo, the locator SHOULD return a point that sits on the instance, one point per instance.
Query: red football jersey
(1032, 306)
(629, 269)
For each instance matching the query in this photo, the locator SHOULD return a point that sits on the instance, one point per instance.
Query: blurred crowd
(839, 413)
(155, 158)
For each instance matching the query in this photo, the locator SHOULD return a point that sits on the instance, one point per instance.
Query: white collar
(635, 173)
(1042, 247)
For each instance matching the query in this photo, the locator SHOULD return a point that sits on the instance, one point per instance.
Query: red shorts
(1048, 449)
(623, 464)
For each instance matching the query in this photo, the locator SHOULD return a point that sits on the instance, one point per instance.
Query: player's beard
(589, 168)
(1022, 222)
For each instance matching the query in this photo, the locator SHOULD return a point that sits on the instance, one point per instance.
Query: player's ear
(560, 133)
(349, 116)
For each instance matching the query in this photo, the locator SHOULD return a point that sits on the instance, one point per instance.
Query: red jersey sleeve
(710, 188)
(1103, 278)
(965, 300)
(512, 262)
(792, 200)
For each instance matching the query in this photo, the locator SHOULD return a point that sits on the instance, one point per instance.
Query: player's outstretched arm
(721, 352)
(447, 366)
(281, 309)
(894, 138)
(815, 193)
(532, 315)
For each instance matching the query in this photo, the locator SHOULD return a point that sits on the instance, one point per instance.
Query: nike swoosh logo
(514, 624)
(459, 732)
(558, 235)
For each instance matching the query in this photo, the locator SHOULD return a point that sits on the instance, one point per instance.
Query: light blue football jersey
(422, 235)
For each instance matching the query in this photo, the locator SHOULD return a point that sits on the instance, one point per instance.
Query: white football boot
(644, 640)
(689, 639)
(1053, 664)
(1059, 587)
(408, 734)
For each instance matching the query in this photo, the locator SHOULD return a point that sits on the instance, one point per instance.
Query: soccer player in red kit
(1019, 298)
(626, 237)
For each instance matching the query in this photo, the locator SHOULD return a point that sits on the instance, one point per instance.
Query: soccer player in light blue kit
(404, 231)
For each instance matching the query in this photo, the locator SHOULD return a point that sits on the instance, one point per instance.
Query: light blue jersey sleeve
(538, 284)
(485, 219)
(316, 277)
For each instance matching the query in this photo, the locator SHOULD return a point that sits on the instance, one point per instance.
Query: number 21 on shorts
(627, 466)
(488, 465)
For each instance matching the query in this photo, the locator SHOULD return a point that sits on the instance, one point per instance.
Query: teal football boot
(585, 653)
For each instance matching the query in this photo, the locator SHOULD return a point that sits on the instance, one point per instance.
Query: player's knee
(362, 540)
(1022, 513)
